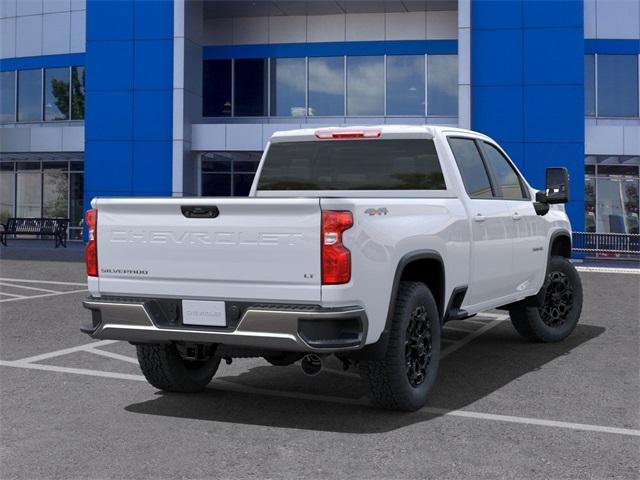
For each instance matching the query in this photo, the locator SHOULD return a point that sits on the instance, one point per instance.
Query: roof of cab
(386, 131)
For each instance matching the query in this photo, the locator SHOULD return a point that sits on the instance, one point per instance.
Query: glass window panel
(29, 188)
(616, 205)
(472, 169)
(55, 190)
(442, 85)
(28, 165)
(216, 88)
(405, 85)
(56, 94)
(30, 95)
(326, 86)
(77, 93)
(76, 166)
(250, 88)
(216, 185)
(216, 162)
(7, 97)
(7, 181)
(353, 165)
(617, 85)
(6, 166)
(242, 184)
(365, 85)
(288, 87)
(589, 203)
(76, 199)
(506, 176)
(589, 85)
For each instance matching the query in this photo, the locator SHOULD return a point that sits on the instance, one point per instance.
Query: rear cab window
(407, 164)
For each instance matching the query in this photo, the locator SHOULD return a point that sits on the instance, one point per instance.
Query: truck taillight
(91, 251)
(336, 258)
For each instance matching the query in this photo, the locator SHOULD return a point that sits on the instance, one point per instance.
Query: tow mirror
(557, 188)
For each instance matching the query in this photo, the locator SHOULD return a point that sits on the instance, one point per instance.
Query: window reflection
(216, 78)
(77, 93)
(28, 191)
(288, 86)
(7, 97)
(405, 85)
(589, 86)
(365, 85)
(442, 85)
(56, 94)
(618, 85)
(326, 86)
(228, 173)
(6, 194)
(30, 95)
(250, 87)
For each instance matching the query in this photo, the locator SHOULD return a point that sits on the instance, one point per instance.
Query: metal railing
(624, 245)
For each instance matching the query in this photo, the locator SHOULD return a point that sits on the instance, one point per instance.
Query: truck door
(492, 228)
(529, 250)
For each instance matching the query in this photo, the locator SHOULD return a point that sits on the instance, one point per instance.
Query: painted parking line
(485, 328)
(30, 297)
(46, 282)
(25, 287)
(13, 295)
(626, 271)
(66, 351)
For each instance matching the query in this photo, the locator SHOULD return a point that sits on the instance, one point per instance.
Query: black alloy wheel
(417, 347)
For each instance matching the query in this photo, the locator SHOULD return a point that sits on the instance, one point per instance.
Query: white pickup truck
(356, 242)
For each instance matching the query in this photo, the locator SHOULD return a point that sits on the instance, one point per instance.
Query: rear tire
(165, 369)
(552, 314)
(403, 379)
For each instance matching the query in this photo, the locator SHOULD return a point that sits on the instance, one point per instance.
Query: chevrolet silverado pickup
(358, 242)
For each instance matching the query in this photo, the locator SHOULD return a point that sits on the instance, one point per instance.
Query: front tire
(552, 314)
(403, 379)
(165, 368)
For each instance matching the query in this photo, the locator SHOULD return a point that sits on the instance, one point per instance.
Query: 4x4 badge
(376, 211)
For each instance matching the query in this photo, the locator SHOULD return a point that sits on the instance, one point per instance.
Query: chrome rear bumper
(269, 327)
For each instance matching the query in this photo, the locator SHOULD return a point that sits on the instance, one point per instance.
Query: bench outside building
(55, 227)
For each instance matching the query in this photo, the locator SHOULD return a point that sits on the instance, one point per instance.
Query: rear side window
(472, 169)
(352, 165)
(505, 175)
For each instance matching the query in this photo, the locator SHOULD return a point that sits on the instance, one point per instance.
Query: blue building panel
(128, 129)
(556, 13)
(500, 53)
(544, 111)
(155, 72)
(109, 20)
(109, 66)
(551, 56)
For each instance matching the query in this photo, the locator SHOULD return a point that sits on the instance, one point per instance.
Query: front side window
(472, 169)
(56, 94)
(442, 85)
(365, 86)
(352, 165)
(30, 95)
(506, 176)
(617, 85)
(288, 87)
(7, 97)
(326, 86)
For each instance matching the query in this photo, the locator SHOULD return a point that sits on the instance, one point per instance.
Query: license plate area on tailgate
(204, 313)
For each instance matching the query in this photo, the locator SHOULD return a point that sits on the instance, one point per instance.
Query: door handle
(200, 211)
(479, 217)
(516, 216)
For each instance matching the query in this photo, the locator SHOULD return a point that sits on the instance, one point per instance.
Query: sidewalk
(43, 250)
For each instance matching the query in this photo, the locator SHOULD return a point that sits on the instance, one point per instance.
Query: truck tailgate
(247, 248)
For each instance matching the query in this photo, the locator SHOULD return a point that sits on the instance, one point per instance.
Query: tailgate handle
(200, 211)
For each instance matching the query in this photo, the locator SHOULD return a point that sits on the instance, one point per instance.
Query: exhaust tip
(311, 364)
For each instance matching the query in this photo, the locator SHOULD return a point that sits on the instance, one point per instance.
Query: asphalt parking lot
(71, 407)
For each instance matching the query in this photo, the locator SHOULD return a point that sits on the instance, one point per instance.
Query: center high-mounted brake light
(91, 251)
(336, 258)
(342, 133)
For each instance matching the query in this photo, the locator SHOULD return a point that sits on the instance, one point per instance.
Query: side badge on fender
(376, 211)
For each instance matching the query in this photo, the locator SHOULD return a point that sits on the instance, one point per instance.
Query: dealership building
(146, 97)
